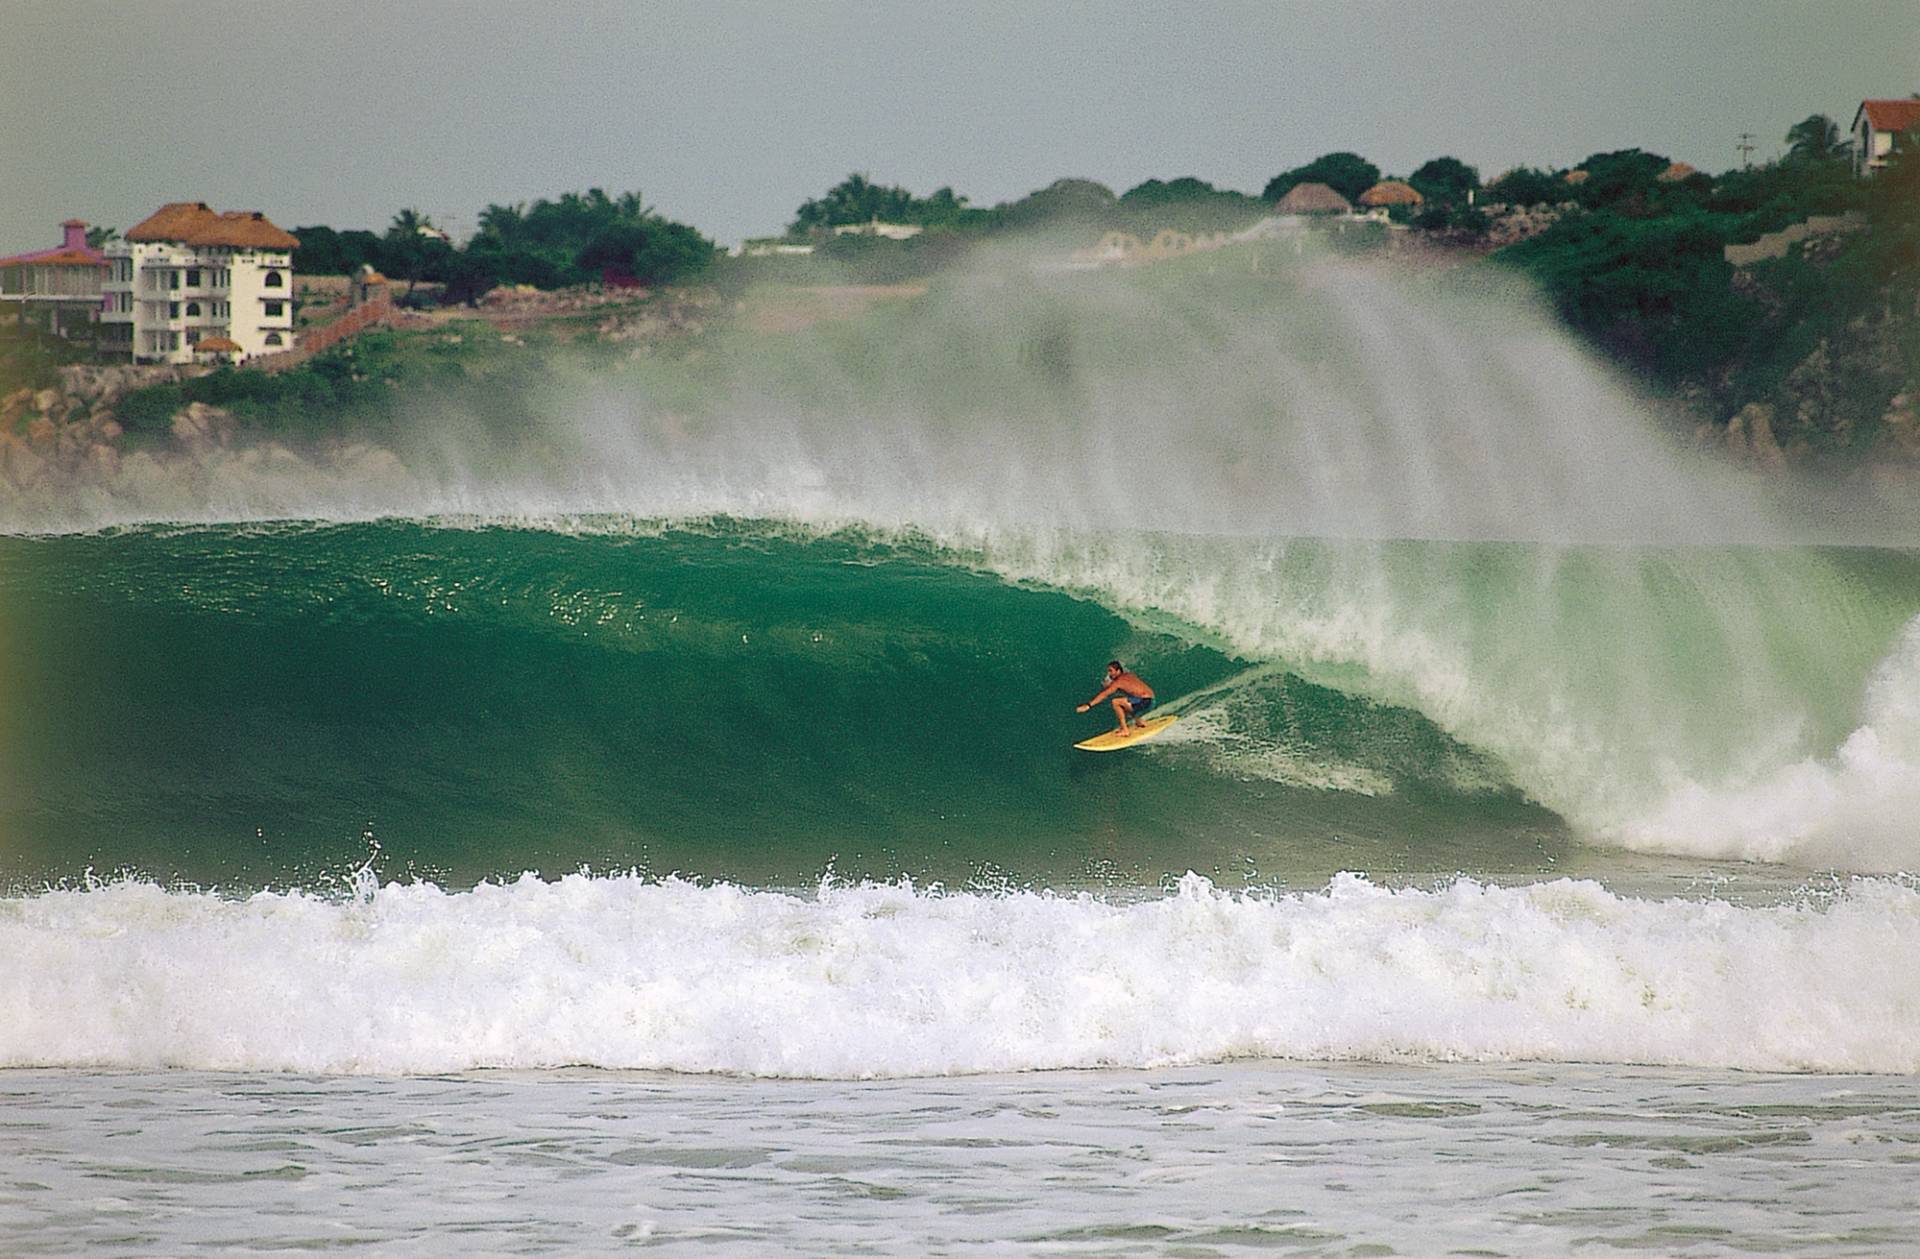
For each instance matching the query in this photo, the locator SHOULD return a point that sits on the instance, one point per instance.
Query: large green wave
(270, 705)
(279, 704)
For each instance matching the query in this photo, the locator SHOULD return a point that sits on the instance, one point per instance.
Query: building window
(273, 338)
(274, 309)
(193, 310)
(273, 280)
(173, 279)
(193, 336)
(173, 340)
(173, 310)
(193, 279)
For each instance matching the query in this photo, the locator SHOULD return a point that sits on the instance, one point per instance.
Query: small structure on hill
(874, 227)
(1313, 199)
(1880, 127)
(1380, 200)
(60, 287)
(1677, 173)
(216, 349)
(1391, 192)
(1576, 177)
(367, 287)
(1169, 242)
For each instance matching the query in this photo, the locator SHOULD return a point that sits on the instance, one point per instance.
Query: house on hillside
(188, 272)
(59, 288)
(1378, 201)
(1313, 199)
(1879, 127)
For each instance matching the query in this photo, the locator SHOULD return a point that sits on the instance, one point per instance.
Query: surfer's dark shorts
(1140, 703)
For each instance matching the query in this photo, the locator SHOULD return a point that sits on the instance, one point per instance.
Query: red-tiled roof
(218, 344)
(1890, 115)
(196, 223)
(54, 258)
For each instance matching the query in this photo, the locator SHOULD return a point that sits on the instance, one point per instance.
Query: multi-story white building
(188, 274)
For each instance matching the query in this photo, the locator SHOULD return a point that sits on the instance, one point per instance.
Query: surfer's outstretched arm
(1096, 699)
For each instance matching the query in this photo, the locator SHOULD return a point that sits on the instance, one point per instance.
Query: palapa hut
(216, 349)
(1313, 199)
(1675, 173)
(1391, 192)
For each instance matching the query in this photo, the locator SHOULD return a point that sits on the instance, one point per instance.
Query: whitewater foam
(868, 980)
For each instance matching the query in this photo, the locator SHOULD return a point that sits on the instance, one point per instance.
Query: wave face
(886, 981)
(259, 706)
(268, 705)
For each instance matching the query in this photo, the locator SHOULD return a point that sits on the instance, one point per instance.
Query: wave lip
(886, 980)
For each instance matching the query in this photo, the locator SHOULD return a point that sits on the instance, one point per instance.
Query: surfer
(1131, 697)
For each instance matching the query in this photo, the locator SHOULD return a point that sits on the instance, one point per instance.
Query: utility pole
(1745, 148)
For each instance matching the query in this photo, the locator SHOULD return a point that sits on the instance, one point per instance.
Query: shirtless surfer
(1131, 697)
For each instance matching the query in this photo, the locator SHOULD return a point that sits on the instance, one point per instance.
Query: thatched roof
(1391, 192)
(1578, 176)
(1675, 173)
(216, 344)
(195, 223)
(1313, 199)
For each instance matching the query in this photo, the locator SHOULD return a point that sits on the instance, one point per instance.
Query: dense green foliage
(1348, 174)
(578, 239)
(857, 199)
(1654, 291)
(1826, 334)
(1528, 186)
(31, 358)
(357, 390)
(1445, 179)
(324, 251)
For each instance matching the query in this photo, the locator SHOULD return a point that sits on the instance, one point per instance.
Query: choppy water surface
(1222, 1160)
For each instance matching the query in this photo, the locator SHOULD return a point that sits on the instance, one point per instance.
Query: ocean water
(665, 831)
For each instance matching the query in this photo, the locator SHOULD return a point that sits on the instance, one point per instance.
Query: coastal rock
(42, 432)
(44, 400)
(21, 465)
(14, 406)
(198, 424)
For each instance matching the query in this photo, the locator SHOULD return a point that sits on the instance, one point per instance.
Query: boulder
(44, 400)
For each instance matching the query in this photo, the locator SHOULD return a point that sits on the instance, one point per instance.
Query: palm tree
(101, 237)
(1815, 138)
(503, 221)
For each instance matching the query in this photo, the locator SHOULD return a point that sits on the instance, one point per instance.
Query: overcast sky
(727, 115)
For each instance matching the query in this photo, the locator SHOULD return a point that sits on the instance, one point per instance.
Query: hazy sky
(727, 115)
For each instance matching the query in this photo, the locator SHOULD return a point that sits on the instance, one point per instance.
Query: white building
(188, 273)
(1877, 127)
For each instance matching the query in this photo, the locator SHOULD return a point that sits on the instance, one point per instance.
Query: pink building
(59, 288)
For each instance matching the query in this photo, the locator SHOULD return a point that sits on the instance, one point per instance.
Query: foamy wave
(887, 981)
(1858, 809)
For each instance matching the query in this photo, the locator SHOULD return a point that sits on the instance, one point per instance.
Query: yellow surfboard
(1113, 740)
